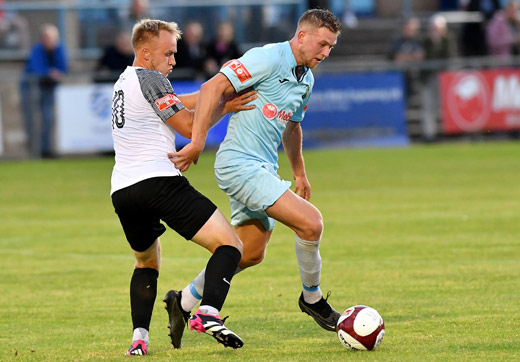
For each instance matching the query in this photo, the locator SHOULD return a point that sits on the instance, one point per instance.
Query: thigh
(217, 231)
(295, 212)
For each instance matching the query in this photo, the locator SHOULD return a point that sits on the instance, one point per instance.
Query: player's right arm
(207, 102)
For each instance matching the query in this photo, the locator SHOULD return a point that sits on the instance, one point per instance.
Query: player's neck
(294, 48)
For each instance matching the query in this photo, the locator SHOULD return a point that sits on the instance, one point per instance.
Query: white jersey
(143, 100)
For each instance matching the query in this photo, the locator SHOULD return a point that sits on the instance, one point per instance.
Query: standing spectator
(221, 49)
(44, 69)
(115, 59)
(503, 31)
(438, 45)
(191, 52)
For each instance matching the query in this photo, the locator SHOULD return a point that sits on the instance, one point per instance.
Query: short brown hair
(321, 19)
(146, 29)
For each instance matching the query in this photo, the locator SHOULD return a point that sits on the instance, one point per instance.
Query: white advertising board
(84, 119)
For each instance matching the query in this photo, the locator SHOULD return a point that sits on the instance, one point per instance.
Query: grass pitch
(427, 235)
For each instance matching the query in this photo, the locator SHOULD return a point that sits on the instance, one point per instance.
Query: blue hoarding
(358, 109)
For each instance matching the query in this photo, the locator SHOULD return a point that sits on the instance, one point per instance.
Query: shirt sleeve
(158, 91)
(253, 67)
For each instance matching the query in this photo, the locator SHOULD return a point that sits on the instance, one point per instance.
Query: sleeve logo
(167, 101)
(239, 69)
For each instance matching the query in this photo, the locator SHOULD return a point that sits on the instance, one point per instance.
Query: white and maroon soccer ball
(361, 328)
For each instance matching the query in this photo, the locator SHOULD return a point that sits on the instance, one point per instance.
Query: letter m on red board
(239, 69)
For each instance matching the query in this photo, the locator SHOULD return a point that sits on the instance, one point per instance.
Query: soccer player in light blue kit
(246, 162)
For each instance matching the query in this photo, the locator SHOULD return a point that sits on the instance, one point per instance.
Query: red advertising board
(481, 100)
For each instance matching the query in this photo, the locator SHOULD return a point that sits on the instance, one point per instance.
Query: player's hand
(235, 102)
(184, 158)
(303, 187)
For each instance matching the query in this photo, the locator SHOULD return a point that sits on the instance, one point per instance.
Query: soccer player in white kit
(246, 162)
(147, 188)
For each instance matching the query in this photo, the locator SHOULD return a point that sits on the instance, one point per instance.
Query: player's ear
(301, 35)
(146, 53)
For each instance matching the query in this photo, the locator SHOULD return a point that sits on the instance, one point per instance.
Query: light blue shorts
(252, 188)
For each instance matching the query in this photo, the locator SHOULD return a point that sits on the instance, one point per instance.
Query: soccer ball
(361, 328)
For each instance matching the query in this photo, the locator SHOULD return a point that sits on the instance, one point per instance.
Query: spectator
(439, 42)
(138, 10)
(438, 45)
(221, 49)
(13, 31)
(503, 31)
(115, 59)
(407, 47)
(191, 53)
(473, 35)
(44, 69)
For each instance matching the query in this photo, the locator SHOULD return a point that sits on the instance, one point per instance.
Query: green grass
(427, 235)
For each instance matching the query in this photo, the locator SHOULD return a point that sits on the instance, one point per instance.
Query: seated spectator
(407, 46)
(44, 69)
(115, 59)
(191, 53)
(503, 31)
(221, 49)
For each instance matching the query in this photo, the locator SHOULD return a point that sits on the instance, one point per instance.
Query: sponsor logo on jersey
(270, 111)
(240, 70)
(167, 101)
(284, 117)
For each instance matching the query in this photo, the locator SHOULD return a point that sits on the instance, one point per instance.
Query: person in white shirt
(147, 188)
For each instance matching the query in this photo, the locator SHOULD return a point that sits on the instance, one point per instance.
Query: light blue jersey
(256, 134)
(247, 160)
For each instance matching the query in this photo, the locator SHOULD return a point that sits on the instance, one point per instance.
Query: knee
(313, 229)
(251, 259)
(234, 242)
(148, 264)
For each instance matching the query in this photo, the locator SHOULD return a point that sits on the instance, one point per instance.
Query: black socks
(143, 290)
(219, 272)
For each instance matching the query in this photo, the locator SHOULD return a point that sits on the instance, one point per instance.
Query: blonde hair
(320, 18)
(146, 29)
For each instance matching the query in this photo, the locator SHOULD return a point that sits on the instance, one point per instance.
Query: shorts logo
(270, 111)
(167, 101)
(239, 69)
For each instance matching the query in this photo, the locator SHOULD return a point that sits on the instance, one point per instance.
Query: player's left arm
(292, 142)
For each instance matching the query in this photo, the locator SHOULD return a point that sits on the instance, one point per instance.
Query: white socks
(141, 333)
(192, 294)
(309, 262)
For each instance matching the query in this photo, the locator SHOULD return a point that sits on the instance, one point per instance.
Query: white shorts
(252, 187)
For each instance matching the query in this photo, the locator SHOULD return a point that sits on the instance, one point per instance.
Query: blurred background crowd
(47, 43)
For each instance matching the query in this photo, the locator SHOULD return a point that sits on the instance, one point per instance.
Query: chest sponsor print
(270, 111)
